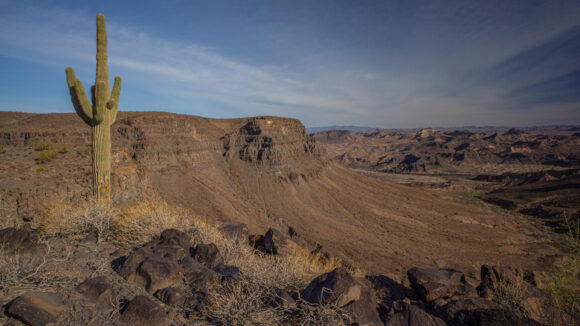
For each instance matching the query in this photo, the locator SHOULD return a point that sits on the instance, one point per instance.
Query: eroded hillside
(264, 172)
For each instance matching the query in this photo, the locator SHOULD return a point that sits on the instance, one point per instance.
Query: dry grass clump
(138, 224)
(18, 270)
(63, 219)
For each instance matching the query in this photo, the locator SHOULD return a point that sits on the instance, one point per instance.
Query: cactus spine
(100, 116)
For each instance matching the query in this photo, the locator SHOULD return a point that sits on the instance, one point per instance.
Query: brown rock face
(37, 308)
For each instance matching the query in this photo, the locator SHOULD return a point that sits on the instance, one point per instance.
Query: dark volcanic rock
(480, 312)
(197, 275)
(355, 295)
(175, 237)
(207, 254)
(390, 289)
(37, 308)
(143, 311)
(172, 296)
(158, 273)
(21, 241)
(414, 316)
(431, 284)
(99, 292)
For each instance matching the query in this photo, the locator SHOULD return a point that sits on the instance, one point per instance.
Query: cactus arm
(78, 96)
(102, 68)
(113, 103)
(100, 102)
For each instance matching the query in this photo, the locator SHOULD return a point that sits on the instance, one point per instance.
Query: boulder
(143, 311)
(430, 283)
(172, 296)
(37, 308)
(128, 269)
(273, 242)
(339, 288)
(158, 273)
(99, 292)
(207, 254)
(389, 289)
(479, 312)
(197, 275)
(412, 315)
(175, 238)
(22, 241)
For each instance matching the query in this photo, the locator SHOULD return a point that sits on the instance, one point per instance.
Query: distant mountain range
(311, 130)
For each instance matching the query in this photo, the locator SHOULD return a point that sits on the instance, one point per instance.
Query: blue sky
(369, 63)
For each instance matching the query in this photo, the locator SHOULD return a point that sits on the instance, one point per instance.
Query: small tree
(100, 115)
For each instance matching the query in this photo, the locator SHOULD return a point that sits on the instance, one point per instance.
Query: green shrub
(43, 145)
(46, 155)
(63, 148)
(2, 149)
(40, 169)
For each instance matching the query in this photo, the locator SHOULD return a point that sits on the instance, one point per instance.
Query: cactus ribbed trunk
(100, 115)
(101, 159)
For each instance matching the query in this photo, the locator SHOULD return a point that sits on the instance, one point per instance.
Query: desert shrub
(43, 145)
(139, 223)
(562, 305)
(62, 149)
(40, 169)
(63, 219)
(46, 155)
(2, 149)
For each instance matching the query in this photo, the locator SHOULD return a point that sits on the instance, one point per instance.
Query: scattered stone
(480, 312)
(207, 254)
(389, 289)
(99, 292)
(273, 242)
(234, 231)
(430, 283)
(22, 241)
(228, 272)
(339, 288)
(172, 296)
(158, 273)
(37, 308)
(414, 316)
(197, 275)
(176, 238)
(143, 311)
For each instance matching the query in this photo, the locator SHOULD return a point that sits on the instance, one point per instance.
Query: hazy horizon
(377, 64)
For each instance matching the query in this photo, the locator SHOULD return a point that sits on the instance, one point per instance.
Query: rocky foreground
(174, 280)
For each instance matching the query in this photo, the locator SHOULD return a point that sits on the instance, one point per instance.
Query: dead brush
(62, 219)
(141, 222)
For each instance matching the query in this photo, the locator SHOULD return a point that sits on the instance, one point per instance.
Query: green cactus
(100, 116)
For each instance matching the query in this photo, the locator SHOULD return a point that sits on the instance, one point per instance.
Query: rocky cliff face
(264, 172)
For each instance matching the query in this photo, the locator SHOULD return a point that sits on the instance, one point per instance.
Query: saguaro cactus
(101, 115)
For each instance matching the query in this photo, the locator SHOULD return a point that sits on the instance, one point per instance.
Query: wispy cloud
(441, 65)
